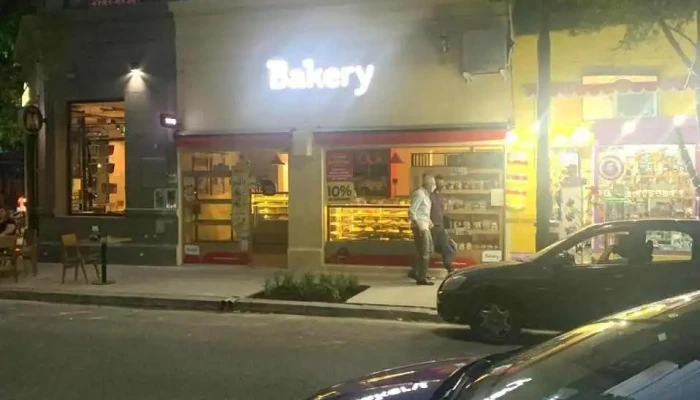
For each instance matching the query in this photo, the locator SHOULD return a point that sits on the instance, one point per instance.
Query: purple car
(649, 352)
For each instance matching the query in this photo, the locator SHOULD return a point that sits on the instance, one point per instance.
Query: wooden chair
(8, 255)
(72, 258)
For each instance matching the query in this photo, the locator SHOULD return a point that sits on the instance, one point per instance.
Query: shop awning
(656, 130)
(407, 137)
(578, 89)
(231, 141)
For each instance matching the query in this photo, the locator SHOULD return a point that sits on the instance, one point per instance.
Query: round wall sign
(611, 167)
(32, 119)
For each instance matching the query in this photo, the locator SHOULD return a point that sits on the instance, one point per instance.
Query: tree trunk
(544, 196)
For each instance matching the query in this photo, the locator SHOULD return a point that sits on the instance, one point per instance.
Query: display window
(368, 195)
(97, 156)
(647, 181)
(572, 178)
(234, 204)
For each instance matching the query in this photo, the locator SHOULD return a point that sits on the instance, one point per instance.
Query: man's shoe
(425, 283)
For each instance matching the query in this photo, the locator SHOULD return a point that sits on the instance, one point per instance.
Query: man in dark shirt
(441, 240)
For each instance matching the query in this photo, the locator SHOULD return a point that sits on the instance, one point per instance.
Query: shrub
(322, 287)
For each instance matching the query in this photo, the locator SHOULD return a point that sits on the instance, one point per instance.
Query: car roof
(650, 311)
(650, 222)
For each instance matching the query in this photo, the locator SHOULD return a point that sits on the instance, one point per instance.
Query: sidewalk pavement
(391, 293)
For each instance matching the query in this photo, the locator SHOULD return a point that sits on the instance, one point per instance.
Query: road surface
(57, 352)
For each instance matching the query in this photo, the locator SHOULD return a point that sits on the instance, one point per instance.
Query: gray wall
(96, 49)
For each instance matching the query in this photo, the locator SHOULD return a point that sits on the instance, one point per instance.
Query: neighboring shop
(368, 195)
(640, 174)
(613, 153)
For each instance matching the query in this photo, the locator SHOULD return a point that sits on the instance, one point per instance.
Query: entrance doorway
(234, 207)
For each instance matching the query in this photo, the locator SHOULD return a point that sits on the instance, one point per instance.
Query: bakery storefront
(303, 150)
(368, 193)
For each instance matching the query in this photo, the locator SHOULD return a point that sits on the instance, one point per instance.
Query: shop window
(97, 156)
(669, 246)
(612, 247)
(647, 181)
(619, 105)
(368, 194)
(234, 203)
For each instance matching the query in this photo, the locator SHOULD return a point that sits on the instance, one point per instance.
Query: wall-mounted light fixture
(169, 121)
(135, 68)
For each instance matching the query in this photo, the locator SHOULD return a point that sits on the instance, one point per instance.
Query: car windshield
(651, 352)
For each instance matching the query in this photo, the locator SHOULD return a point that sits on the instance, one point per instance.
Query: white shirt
(419, 210)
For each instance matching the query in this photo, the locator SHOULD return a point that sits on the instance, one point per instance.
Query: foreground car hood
(413, 382)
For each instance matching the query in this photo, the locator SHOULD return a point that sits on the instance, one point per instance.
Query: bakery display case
(368, 222)
(269, 208)
(269, 223)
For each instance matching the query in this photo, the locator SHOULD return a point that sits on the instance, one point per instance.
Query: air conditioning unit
(485, 50)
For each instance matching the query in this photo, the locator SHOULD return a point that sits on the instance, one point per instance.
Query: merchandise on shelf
(654, 184)
(270, 208)
(369, 222)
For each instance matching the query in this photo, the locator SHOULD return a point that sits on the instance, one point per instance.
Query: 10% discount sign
(341, 191)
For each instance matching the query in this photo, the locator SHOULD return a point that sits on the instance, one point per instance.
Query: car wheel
(496, 320)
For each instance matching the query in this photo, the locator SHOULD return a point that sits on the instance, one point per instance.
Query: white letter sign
(282, 77)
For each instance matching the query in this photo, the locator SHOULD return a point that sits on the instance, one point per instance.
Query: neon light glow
(282, 77)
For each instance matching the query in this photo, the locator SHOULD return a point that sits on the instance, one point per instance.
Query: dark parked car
(650, 352)
(596, 271)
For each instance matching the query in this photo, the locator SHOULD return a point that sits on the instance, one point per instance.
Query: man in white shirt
(419, 214)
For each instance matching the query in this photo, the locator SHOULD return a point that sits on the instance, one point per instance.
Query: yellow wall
(573, 57)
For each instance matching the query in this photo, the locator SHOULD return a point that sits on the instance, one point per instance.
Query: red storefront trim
(235, 140)
(407, 137)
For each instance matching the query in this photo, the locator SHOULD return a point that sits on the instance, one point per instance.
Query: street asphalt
(50, 351)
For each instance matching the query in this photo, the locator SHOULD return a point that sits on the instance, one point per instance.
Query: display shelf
(207, 174)
(369, 222)
(473, 232)
(471, 219)
(472, 212)
(457, 192)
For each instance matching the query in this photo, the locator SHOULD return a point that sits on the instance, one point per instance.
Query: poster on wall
(339, 166)
(341, 191)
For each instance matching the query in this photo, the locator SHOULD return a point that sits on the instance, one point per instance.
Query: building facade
(303, 128)
(614, 117)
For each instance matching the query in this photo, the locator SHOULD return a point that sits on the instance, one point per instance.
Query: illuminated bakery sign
(309, 76)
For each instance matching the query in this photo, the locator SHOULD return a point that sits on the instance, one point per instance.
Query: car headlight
(453, 282)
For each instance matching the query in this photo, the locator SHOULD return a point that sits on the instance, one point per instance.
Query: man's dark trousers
(441, 241)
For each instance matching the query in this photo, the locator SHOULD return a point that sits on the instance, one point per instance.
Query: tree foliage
(643, 20)
(11, 82)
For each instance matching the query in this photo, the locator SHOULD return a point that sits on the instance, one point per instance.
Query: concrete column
(306, 173)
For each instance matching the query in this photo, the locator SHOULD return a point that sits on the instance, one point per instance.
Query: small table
(104, 241)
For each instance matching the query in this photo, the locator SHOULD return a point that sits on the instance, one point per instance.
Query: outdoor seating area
(74, 258)
(19, 248)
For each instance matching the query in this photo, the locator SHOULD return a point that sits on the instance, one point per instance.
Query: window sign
(309, 76)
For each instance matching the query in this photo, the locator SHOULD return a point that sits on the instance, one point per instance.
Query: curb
(231, 304)
(118, 300)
